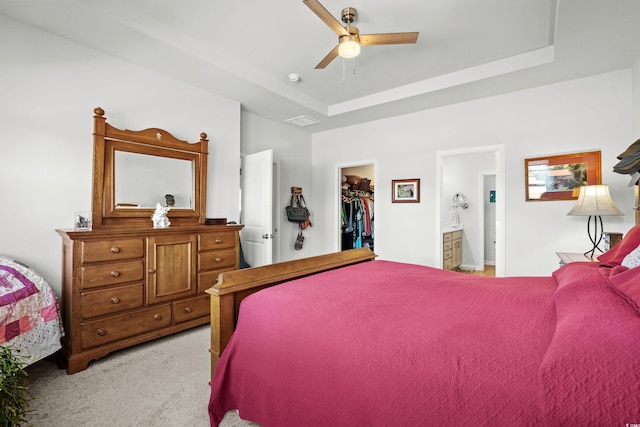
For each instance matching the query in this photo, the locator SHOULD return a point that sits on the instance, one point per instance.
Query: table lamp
(595, 202)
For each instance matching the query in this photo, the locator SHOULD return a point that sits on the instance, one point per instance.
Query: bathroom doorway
(447, 167)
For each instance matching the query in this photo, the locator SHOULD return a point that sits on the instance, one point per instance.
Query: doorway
(445, 162)
(356, 228)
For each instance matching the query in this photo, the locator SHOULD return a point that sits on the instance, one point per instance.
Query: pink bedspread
(392, 344)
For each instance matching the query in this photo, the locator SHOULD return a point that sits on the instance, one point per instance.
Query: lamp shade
(595, 200)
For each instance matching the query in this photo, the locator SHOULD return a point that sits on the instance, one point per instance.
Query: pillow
(632, 259)
(615, 256)
(627, 284)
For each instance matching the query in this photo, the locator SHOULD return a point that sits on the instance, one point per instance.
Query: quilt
(29, 315)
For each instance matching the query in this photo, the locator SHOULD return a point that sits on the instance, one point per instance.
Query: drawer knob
(115, 249)
(218, 241)
(102, 332)
(157, 316)
(115, 273)
(115, 300)
(218, 259)
(151, 270)
(188, 309)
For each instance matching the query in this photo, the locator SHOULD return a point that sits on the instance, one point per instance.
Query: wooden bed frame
(233, 286)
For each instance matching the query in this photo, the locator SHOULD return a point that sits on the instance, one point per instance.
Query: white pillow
(632, 259)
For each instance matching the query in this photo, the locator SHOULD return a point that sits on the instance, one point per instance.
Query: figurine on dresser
(159, 217)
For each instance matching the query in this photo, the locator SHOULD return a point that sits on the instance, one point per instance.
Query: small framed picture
(82, 221)
(405, 191)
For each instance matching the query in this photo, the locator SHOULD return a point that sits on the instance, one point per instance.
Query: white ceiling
(245, 49)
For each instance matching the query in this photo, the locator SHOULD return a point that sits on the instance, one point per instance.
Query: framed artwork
(560, 177)
(82, 221)
(405, 191)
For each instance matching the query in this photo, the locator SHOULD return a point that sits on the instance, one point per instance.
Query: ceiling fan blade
(327, 59)
(327, 17)
(388, 38)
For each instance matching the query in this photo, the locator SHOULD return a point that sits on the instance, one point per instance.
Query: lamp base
(597, 235)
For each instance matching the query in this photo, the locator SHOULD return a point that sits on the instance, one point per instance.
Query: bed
(29, 313)
(379, 343)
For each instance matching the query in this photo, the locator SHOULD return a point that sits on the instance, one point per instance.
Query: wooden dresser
(125, 281)
(124, 287)
(451, 249)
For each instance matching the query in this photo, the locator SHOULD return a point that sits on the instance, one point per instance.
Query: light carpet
(164, 382)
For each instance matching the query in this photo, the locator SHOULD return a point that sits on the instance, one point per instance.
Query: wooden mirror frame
(153, 141)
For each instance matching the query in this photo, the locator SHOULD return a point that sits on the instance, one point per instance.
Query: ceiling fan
(349, 37)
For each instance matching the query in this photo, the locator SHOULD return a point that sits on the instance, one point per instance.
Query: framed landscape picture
(405, 191)
(560, 177)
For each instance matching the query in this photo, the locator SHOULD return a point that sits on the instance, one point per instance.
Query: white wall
(635, 112)
(292, 149)
(593, 113)
(49, 88)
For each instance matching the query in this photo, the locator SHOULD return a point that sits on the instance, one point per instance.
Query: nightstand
(567, 257)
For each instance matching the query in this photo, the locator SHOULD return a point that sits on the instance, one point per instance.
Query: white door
(257, 208)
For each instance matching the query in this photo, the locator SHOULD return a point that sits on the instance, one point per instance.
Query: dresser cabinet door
(171, 267)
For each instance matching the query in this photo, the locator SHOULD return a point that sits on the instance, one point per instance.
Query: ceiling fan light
(349, 49)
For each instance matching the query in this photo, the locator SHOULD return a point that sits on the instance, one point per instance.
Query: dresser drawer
(111, 274)
(111, 301)
(456, 235)
(209, 278)
(192, 308)
(112, 250)
(446, 237)
(447, 254)
(217, 259)
(98, 332)
(447, 245)
(220, 240)
(447, 264)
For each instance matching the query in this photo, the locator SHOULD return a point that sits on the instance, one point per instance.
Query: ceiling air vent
(302, 121)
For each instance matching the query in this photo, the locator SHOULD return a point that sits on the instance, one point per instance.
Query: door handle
(267, 236)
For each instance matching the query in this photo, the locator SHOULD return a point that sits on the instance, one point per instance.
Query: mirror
(142, 180)
(134, 170)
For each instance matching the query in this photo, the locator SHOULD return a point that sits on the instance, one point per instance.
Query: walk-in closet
(357, 207)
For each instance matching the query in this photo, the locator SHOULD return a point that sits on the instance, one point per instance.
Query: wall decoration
(560, 177)
(405, 190)
(492, 196)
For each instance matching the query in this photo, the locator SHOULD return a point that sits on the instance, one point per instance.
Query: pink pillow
(615, 256)
(627, 284)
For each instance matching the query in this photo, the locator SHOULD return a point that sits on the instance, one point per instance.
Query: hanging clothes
(357, 219)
